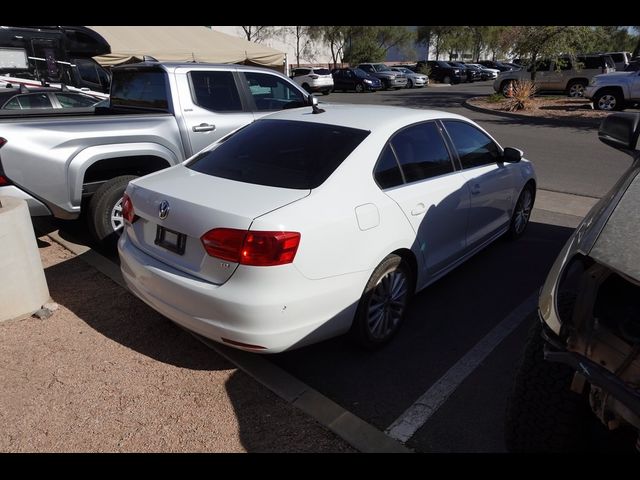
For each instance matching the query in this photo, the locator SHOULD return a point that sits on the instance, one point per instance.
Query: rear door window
(280, 153)
(74, 100)
(215, 91)
(140, 88)
(32, 100)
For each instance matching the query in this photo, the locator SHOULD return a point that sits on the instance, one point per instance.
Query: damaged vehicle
(581, 363)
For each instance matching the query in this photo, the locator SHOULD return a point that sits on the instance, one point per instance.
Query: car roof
(365, 117)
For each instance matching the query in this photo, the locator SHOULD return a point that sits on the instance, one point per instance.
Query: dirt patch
(105, 373)
(545, 107)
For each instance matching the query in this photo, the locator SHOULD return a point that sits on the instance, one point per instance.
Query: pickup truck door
(635, 87)
(210, 104)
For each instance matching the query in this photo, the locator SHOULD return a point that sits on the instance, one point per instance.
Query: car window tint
(139, 88)
(33, 100)
(72, 100)
(321, 71)
(421, 152)
(87, 71)
(273, 93)
(474, 147)
(281, 153)
(387, 172)
(215, 91)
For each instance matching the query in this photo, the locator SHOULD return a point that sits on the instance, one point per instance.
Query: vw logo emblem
(163, 209)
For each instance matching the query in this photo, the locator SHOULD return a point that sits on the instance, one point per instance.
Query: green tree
(258, 33)
(371, 43)
(335, 37)
(636, 50)
(535, 43)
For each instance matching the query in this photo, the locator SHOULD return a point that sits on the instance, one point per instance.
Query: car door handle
(203, 127)
(475, 190)
(418, 209)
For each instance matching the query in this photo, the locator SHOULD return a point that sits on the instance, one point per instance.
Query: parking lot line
(407, 424)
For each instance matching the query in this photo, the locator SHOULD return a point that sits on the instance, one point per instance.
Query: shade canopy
(183, 44)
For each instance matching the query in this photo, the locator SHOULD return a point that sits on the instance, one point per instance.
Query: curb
(356, 432)
(570, 122)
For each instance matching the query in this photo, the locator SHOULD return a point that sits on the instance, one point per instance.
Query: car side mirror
(512, 155)
(620, 131)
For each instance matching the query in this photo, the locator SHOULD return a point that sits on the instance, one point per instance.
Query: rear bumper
(275, 308)
(36, 207)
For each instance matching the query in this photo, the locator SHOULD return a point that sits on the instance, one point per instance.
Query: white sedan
(302, 226)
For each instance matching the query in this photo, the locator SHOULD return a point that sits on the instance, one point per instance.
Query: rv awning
(183, 44)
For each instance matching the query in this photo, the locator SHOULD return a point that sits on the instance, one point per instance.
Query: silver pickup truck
(614, 91)
(159, 115)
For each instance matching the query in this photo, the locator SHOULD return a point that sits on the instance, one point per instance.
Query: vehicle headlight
(367, 81)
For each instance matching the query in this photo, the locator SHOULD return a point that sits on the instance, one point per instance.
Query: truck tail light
(249, 247)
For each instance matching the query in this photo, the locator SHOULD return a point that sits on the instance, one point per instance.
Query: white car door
(433, 196)
(490, 181)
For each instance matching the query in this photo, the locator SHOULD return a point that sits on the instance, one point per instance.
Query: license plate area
(171, 240)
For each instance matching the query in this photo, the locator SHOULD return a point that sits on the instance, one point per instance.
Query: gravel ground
(548, 107)
(105, 373)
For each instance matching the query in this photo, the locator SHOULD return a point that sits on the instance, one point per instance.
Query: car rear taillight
(128, 213)
(3, 180)
(2, 141)
(255, 248)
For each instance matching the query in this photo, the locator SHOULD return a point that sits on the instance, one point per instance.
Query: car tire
(543, 414)
(409, 83)
(446, 79)
(608, 100)
(575, 89)
(383, 303)
(522, 212)
(105, 210)
(359, 88)
(326, 92)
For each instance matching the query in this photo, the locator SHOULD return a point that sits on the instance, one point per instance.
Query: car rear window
(139, 88)
(321, 71)
(280, 153)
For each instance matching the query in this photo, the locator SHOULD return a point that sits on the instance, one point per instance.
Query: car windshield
(280, 153)
(381, 67)
(360, 73)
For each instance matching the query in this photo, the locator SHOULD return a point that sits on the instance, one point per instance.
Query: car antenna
(314, 105)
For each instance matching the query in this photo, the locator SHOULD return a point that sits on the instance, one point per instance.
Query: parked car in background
(565, 74)
(301, 227)
(159, 114)
(579, 376)
(621, 59)
(39, 98)
(313, 79)
(486, 73)
(471, 73)
(442, 72)
(355, 79)
(413, 79)
(497, 65)
(388, 77)
(614, 91)
(634, 65)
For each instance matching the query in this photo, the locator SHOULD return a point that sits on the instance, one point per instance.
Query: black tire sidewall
(359, 330)
(512, 229)
(101, 206)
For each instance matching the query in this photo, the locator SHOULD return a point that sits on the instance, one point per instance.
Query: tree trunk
(534, 66)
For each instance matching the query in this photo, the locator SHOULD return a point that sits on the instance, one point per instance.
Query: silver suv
(313, 79)
(563, 74)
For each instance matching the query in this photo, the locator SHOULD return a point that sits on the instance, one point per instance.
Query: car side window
(215, 91)
(387, 171)
(34, 100)
(72, 100)
(421, 152)
(474, 147)
(273, 93)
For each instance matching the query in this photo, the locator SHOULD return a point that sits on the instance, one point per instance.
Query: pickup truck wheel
(383, 303)
(105, 209)
(608, 100)
(576, 89)
(543, 414)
